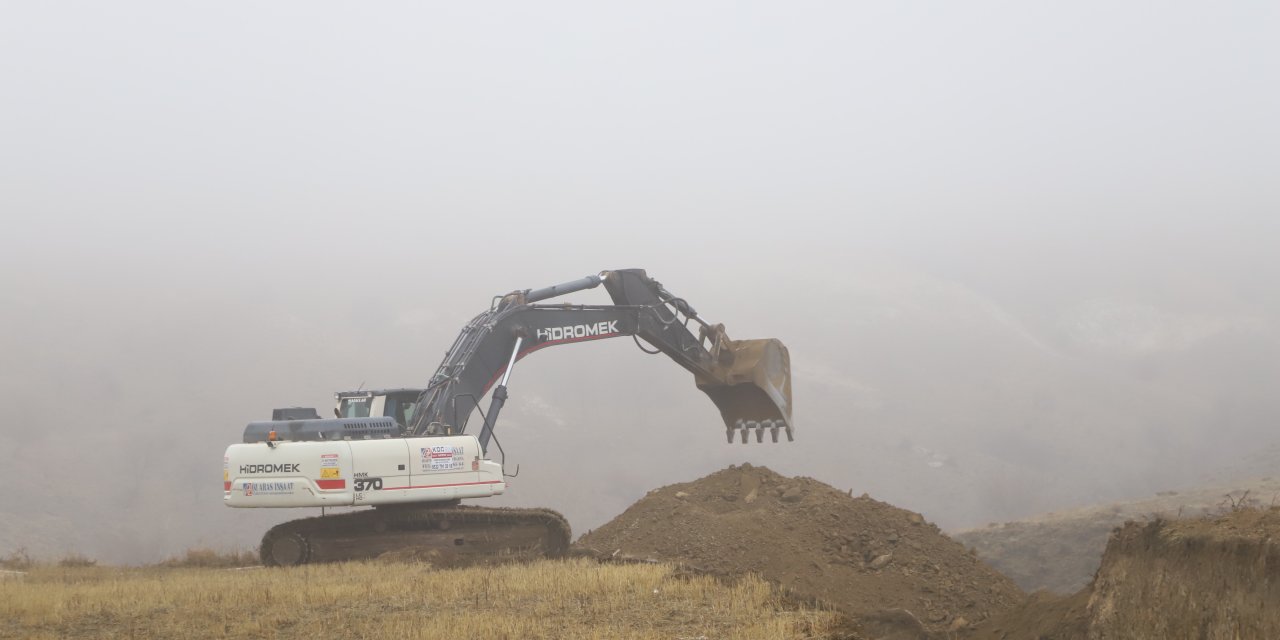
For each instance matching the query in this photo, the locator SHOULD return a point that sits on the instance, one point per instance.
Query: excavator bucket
(752, 386)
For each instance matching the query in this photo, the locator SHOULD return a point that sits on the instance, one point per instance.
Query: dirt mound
(867, 558)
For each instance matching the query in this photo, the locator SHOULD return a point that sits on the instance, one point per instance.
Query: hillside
(1209, 578)
(1060, 551)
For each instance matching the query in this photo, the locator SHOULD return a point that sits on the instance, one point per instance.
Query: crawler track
(449, 536)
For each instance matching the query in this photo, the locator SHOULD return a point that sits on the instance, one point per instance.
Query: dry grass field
(548, 599)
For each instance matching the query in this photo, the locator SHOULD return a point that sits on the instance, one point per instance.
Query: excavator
(409, 455)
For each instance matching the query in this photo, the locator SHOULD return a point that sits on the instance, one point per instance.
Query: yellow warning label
(225, 477)
(328, 473)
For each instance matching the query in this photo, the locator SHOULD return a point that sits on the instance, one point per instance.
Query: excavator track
(445, 536)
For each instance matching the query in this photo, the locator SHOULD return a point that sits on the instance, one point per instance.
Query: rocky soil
(885, 567)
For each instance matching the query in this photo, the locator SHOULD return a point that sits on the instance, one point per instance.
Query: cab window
(355, 407)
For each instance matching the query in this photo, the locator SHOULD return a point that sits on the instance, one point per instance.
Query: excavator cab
(390, 403)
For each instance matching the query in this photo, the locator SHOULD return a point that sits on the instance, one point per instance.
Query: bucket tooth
(773, 430)
(760, 433)
(729, 430)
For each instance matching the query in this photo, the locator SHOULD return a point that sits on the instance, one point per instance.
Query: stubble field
(548, 599)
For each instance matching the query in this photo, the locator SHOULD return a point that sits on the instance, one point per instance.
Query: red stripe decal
(332, 484)
(226, 486)
(455, 484)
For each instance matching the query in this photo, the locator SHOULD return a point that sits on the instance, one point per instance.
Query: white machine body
(358, 472)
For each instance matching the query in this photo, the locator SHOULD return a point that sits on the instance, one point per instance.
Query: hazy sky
(1033, 243)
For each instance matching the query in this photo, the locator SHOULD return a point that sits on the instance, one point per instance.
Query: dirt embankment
(884, 566)
(1061, 551)
(1207, 579)
(1211, 578)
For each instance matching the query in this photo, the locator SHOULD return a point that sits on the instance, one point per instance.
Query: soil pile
(867, 558)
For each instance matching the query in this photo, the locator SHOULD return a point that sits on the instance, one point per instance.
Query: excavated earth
(1061, 551)
(887, 568)
(1214, 578)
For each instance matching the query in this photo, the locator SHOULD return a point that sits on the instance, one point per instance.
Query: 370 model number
(368, 484)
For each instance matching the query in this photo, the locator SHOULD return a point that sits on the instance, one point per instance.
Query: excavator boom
(748, 380)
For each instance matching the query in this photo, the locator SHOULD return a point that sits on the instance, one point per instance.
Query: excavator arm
(748, 380)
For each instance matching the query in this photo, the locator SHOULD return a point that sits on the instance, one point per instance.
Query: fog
(1024, 255)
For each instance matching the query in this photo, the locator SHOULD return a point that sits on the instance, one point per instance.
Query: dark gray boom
(748, 380)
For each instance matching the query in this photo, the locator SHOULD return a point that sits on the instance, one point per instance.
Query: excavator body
(344, 473)
(409, 453)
